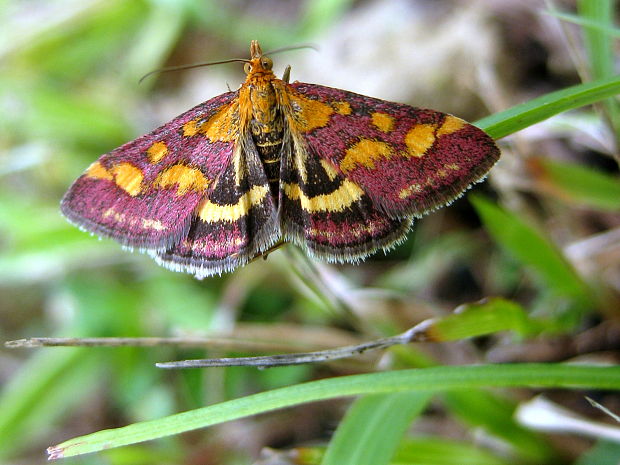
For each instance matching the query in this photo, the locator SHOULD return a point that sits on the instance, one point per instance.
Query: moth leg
(273, 248)
(287, 74)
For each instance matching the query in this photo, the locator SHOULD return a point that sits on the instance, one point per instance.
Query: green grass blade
(485, 317)
(531, 248)
(579, 184)
(581, 21)
(377, 422)
(433, 451)
(534, 111)
(600, 48)
(597, 42)
(433, 379)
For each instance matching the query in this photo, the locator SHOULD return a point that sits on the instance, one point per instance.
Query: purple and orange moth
(339, 174)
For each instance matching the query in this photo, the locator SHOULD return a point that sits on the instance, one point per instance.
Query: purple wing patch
(407, 160)
(329, 216)
(234, 224)
(144, 193)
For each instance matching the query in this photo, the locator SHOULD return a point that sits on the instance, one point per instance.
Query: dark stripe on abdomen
(269, 146)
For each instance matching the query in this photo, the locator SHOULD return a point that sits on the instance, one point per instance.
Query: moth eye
(266, 62)
(247, 68)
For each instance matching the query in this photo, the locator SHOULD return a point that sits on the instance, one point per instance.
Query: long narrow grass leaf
(476, 319)
(600, 48)
(378, 422)
(581, 21)
(433, 379)
(529, 113)
(579, 184)
(433, 451)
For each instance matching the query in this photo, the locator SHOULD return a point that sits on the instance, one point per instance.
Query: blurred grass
(532, 248)
(48, 385)
(68, 93)
(578, 185)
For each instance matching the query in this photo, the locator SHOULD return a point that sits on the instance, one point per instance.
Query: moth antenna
(191, 66)
(293, 47)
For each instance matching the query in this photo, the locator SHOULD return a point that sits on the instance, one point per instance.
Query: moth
(339, 174)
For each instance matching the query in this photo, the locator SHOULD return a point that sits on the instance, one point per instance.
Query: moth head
(261, 63)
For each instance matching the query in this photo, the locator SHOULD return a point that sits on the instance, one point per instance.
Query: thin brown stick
(416, 334)
(211, 342)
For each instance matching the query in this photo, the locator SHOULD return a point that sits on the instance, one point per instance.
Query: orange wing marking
(419, 139)
(221, 127)
(342, 108)
(365, 153)
(98, 171)
(186, 178)
(450, 124)
(128, 177)
(156, 152)
(383, 121)
(306, 114)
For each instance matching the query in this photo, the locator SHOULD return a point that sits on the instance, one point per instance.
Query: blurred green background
(542, 232)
